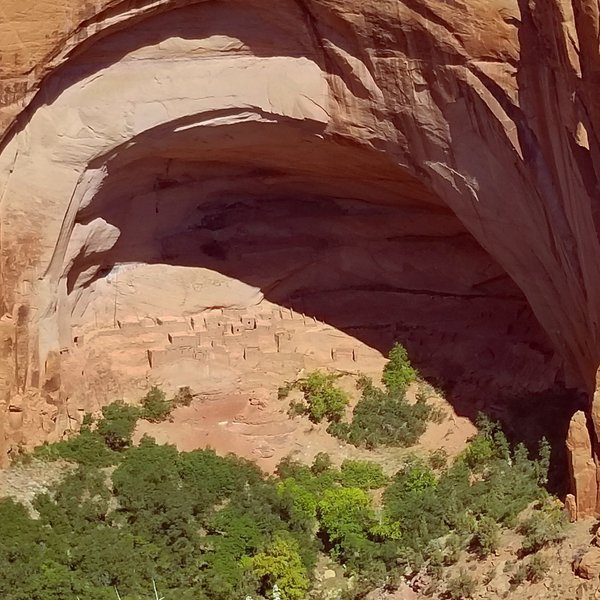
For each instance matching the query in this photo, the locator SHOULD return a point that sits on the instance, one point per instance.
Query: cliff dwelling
(200, 193)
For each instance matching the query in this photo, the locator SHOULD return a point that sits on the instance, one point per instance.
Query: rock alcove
(394, 172)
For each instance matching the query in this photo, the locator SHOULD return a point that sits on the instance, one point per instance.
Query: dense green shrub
(438, 459)
(321, 463)
(461, 587)
(284, 391)
(534, 570)
(362, 474)
(382, 418)
(543, 527)
(486, 539)
(323, 399)
(155, 406)
(398, 373)
(537, 568)
(183, 397)
(519, 576)
(117, 425)
(87, 448)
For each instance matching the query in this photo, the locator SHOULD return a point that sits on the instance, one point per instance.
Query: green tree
(280, 564)
(324, 399)
(117, 425)
(345, 512)
(398, 373)
(362, 474)
(299, 503)
(155, 406)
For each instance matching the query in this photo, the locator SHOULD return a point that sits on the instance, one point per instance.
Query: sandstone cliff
(435, 160)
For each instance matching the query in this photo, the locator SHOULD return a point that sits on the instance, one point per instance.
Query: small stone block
(158, 357)
(264, 316)
(198, 323)
(284, 341)
(203, 339)
(342, 354)
(252, 354)
(181, 340)
(172, 324)
(185, 352)
(221, 354)
(249, 322)
(129, 324)
(202, 354)
(215, 323)
(263, 324)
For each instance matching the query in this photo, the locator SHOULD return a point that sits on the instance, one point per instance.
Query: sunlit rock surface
(419, 170)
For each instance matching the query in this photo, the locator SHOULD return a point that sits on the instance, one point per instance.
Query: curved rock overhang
(348, 166)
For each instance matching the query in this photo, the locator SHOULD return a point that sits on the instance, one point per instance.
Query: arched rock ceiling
(471, 123)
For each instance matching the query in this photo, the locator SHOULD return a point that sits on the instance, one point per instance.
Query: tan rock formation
(420, 170)
(588, 566)
(582, 466)
(571, 508)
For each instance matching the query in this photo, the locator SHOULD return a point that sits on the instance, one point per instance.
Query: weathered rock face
(588, 566)
(582, 466)
(426, 164)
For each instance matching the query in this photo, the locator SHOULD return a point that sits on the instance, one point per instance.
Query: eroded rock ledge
(423, 170)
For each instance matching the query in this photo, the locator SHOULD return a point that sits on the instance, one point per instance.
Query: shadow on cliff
(379, 272)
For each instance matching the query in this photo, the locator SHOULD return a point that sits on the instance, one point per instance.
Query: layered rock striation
(419, 170)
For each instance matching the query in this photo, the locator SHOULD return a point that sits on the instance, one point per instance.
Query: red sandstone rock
(582, 466)
(588, 566)
(571, 508)
(462, 135)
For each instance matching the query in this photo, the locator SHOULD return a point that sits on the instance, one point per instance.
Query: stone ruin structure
(227, 336)
(238, 339)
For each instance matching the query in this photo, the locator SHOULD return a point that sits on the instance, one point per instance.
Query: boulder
(588, 565)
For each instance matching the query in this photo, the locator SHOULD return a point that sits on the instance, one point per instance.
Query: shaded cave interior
(330, 230)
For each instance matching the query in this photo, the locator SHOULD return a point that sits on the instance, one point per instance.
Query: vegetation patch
(323, 400)
(384, 416)
(204, 527)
